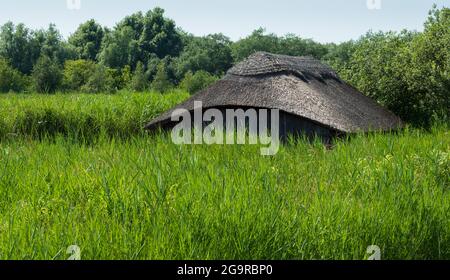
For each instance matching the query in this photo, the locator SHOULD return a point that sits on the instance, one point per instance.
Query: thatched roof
(300, 86)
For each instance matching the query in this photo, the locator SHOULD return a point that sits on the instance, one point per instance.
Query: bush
(126, 76)
(47, 75)
(10, 78)
(86, 76)
(193, 83)
(77, 73)
(211, 54)
(290, 44)
(161, 83)
(139, 82)
(114, 79)
(102, 80)
(407, 72)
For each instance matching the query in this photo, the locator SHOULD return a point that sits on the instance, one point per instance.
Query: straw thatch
(299, 86)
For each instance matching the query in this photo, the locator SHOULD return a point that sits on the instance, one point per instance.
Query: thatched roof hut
(310, 95)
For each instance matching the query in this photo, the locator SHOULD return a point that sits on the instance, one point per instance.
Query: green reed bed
(81, 116)
(145, 198)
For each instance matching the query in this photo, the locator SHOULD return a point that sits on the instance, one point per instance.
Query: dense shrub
(288, 45)
(139, 82)
(138, 37)
(77, 73)
(407, 72)
(102, 80)
(87, 40)
(161, 83)
(47, 75)
(125, 77)
(115, 80)
(211, 53)
(10, 79)
(193, 83)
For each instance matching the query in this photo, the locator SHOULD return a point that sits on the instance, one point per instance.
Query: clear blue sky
(322, 20)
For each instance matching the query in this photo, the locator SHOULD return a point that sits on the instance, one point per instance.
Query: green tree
(87, 40)
(159, 35)
(139, 38)
(193, 83)
(102, 80)
(211, 53)
(23, 47)
(120, 49)
(339, 56)
(257, 41)
(428, 69)
(376, 68)
(139, 81)
(10, 78)
(126, 77)
(296, 46)
(152, 66)
(46, 75)
(161, 82)
(77, 73)
(52, 44)
(408, 72)
(18, 45)
(288, 45)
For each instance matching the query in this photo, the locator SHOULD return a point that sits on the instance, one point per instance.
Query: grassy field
(122, 194)
(81, 117)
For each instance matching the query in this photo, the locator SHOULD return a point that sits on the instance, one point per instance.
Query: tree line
(408, 71)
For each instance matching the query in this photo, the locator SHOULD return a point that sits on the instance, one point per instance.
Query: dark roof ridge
(261, 63)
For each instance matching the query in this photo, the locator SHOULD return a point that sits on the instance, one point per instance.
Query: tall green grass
(146, 198)
(134, 196)
(82, 117)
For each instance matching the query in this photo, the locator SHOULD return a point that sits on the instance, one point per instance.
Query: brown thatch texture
(301, 86)
(262, 63)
